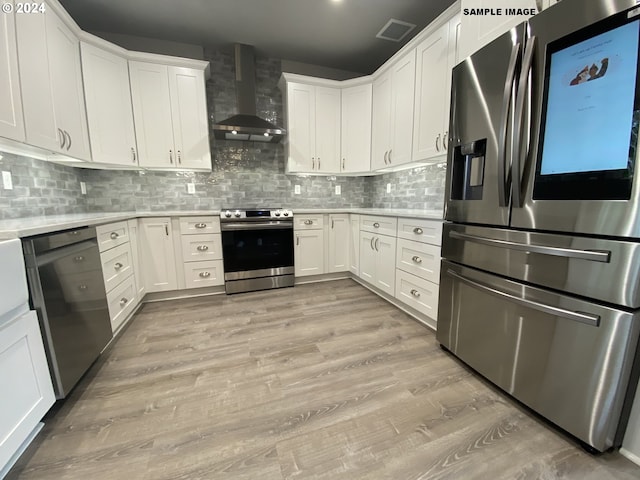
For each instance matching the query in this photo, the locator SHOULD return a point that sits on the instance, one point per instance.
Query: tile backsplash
(244, 174)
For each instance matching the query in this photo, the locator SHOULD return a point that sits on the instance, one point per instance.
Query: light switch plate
(338, 190)
(7, 184)
(191, 188)
(388, 188)
(83, 188)
(296, 189)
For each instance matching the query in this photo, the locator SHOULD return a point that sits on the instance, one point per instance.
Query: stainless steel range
(257, 247)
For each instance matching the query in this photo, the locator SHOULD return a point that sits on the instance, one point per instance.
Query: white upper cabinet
(108, 98)
(478, 30)
(313, 128)
(356, 129)
(435, 57)
(51, 81)
(392, 124)
(11, 120)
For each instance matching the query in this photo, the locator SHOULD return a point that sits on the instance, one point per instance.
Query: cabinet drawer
(117, 264)
(203, 274)
(122, 300)
(83, 289)
(81, 262)
(426, 231)
(420, 259)
(112, 235)
(201, 247)
(419, 294)
(196, 225)
(308, 222)
(381, 225)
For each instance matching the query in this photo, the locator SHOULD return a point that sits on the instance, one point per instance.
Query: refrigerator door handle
(516, 145)
(504, 119)
(582, 317)
(602, 256)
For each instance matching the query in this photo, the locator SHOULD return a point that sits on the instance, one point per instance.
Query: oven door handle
(226, 227)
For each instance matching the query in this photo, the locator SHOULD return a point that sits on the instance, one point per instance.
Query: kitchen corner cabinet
(157, 254)
(108, 99)
(51, 82)
(392, 114)
(435, 57)
(313, 128)
(170, 116)
(339, 233)
(478, 30)
(11, 119)
(356, 129)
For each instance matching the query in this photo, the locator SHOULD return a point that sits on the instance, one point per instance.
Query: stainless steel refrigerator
(540, 278)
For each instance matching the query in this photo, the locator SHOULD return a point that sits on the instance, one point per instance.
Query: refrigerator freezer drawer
(568, 359)
(605, 270)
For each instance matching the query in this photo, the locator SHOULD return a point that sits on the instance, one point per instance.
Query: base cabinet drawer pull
(202, 248)
(201, 225)
(308, 222)
(123, 301)
(376, 225)
(114, 235)
(415, 293)
(416, 259)
(118, 266)
(205, 274)
(418, 231)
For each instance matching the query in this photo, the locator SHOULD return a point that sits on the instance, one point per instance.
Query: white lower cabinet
(134, 240)
(203, 274)
(354, 244)
(418, 293)
(121, 301)
(377, 260)
(339, 233)
(157, 254)
(201, 245)
(309, 252)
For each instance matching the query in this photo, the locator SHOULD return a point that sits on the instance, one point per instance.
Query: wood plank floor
(324, 380)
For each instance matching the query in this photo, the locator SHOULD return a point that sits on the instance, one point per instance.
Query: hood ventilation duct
(247, 125)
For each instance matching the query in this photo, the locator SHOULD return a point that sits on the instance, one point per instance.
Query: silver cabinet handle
(297, 240)
(201, 225)
(376, 225)
(438, 143)
(390, 150)
(343, 163)
(593, 255)
(385, 156)
(118, 266)
(166, 229)
(415, 293)
(66, 134)
(444, 140)
(308, 222)
(82, 287)
(205, 274)
(179, 157)
(375, 244)
(418, 231)
(371, 244)
(123, 301)
(581, 317)
(313, 163)
(416, 259)
(171, 156)
(79, 258)
(63, 139)
(133, 154)
(202, 248)
(114, 235)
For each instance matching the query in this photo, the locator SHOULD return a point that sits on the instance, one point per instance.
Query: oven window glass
(590, 114)
(246, 250)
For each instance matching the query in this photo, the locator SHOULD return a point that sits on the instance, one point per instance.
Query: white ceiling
(320, 32)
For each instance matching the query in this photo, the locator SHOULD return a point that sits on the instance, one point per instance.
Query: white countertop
(29, 226)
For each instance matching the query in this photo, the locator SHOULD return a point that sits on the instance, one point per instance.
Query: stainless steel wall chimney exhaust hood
(247, 125)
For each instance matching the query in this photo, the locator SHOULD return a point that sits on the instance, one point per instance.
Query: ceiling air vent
(395, 30)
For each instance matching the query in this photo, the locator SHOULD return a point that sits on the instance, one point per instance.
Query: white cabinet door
(339, 233)
(24, 376)
(385, 278)
(301, 126)
(431, 81)
(327, 129)
(11, 119)
(478, 30)
(134, 241)
(354, 244)
(189, 115)
(381, 121)
(356, 129)
(109, 111)
(309, 252)
(367, 257)
(402, 99)
(158, 256)
(152, 114)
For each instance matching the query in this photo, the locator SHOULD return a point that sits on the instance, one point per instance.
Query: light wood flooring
(324, 380)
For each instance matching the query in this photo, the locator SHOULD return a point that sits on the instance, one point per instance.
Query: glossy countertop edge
(30, 226)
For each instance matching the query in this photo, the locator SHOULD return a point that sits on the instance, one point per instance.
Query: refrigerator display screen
(591, 112)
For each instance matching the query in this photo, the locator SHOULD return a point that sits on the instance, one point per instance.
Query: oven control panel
(237, 214)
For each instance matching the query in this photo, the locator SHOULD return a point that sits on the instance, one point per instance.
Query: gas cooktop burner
(240, 214)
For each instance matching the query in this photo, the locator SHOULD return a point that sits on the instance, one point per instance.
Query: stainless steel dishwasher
(67, 290)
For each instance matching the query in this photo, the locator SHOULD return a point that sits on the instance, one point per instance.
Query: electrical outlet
(338, 190)
(388, 188)
(191, 188)
(83, 188)
(296, 189)
(7, 184)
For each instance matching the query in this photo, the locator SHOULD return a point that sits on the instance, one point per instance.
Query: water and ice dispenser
(467, 170)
